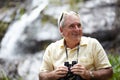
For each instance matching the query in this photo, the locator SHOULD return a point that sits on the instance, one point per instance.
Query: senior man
(74, 57)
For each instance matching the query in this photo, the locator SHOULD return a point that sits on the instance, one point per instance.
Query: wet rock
(101, 20)
(8, 69)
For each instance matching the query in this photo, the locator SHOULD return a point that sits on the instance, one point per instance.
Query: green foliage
(4, 78)
(22, 11)
(7, 78)
(74, 4)
(3, 28)
(115, 61)
(46, 18)
(2, 74)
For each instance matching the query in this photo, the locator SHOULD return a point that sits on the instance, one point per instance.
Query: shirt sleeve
(47, 61)
(100, 56)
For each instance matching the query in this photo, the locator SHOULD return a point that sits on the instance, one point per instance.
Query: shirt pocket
(86, 61)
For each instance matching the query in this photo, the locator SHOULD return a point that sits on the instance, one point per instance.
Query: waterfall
(9, 42)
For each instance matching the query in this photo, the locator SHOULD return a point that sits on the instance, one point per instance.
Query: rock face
(97, 17)
(101, 20)
(109, 38)
(10, 3)
(8, 13)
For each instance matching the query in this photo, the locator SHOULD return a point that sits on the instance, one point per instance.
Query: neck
(71, 44)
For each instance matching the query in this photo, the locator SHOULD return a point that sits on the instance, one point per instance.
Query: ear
(61, 29)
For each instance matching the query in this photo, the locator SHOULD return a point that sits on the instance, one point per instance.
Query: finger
(79, 70)
(63, 67)
(62, 71)
(80, 67)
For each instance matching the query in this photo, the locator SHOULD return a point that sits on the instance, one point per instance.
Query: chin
(76, 39)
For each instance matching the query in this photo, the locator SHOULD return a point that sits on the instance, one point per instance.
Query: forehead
(71, 19)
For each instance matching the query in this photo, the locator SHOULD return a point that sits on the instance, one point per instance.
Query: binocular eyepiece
(70, 75)
(70, 65)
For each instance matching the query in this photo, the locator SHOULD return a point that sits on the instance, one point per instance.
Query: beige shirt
(91, 55)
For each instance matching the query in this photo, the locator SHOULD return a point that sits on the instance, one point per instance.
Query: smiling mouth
(75, 34)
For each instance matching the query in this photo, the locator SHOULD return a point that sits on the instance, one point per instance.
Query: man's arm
(102, 74)
(55, 74)
(46, 76)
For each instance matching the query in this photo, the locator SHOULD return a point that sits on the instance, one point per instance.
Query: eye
(72, 26)
(79, 25)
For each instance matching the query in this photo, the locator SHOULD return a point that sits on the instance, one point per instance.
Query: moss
(3, 75)
(3, 28)
(55, 2)
(114, 60)
(74, 3)
(22, 11)
(47, 18)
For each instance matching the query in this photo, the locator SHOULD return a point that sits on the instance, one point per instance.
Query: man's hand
(81, 71)
(101, 74)
(60, 72)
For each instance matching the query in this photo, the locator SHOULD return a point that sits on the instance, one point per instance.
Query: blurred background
(28, 26)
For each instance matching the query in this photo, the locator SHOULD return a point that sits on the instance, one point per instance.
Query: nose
(76, 27)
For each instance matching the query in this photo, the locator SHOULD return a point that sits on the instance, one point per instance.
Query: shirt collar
(83, 42)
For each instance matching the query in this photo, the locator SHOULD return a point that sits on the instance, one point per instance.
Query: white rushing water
(28, 67)
(15, 30)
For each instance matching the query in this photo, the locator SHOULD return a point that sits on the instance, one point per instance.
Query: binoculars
(70, 75)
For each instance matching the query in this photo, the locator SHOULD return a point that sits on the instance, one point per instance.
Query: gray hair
(61, 19)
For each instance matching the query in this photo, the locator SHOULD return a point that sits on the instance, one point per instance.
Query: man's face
(72, 29)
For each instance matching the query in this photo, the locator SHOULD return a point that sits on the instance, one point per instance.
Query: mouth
(75, 34)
